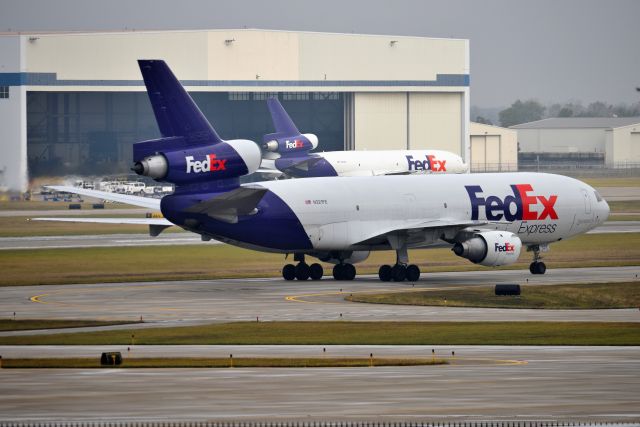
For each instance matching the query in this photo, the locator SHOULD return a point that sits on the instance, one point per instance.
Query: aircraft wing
(417, 230)
(145, 202)
(269, 171)
(228, 206)
(156, 225)
(304, 164)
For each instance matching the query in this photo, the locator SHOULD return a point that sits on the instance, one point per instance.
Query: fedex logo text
(209, 164)
(507, 247)
(431, 163)
(496, 208)
(294, 144)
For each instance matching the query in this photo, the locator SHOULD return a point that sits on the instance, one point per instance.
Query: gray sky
(550, 50)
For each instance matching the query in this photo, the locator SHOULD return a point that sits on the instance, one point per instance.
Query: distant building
(493, 148)
(590, 141)
(73, 103)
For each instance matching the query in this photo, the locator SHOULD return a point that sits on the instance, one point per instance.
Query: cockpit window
(598, 196)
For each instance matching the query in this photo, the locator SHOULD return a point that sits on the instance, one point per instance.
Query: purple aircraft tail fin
(175, 111)
(281, 120)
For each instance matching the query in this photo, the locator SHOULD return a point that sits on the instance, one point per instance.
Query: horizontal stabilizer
(145, 202)
(156, 225)
(130, 221)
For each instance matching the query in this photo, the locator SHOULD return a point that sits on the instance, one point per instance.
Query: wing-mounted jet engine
(489, 248)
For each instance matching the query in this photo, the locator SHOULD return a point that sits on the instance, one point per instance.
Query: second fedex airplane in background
(288, 151)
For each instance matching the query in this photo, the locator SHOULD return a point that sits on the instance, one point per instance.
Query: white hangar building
(73, 103)
(610, 141)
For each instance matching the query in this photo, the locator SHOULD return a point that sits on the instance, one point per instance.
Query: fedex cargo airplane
(288, 151)
(486, 218)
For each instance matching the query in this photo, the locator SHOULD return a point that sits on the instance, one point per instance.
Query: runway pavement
(194, 302)
(122, 240)
(482, 383)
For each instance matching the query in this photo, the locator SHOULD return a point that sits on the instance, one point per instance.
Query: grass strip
(357, 333)
(192, 262)
(624, 206)
(34, 324)
(623, 181)
(630, 217)
(573, 296)
(240, 362)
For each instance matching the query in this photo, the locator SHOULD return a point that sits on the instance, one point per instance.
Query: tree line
(532, 110)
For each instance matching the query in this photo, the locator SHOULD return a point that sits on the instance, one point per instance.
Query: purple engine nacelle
(182, 164)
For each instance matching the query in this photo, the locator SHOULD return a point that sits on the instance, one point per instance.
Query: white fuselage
(340, 213)
(386, 162)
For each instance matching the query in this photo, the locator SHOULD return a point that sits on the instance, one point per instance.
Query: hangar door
(486, 153)
(380, 121)
(402, 120)
(435, 121)
(634, 152)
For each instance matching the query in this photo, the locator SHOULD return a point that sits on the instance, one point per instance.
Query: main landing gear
(400, 271)
(302, 271)
(344, 272)
(537, 266)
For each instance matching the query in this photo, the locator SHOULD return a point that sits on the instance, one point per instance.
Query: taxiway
(272, 299)
(481, 383)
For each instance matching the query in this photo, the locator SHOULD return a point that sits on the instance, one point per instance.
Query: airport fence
(570, 169)
(528, 423)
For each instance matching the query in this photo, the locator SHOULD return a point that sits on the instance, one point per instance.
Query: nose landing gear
(537, 266)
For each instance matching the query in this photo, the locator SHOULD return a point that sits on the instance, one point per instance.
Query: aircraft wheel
(384, 273)
(338, 272)
(413, 273)
(542, 268)
(289, 272)
(302, 271)
(315, 271)
(398, 273)
(537, 268)
(349, 272)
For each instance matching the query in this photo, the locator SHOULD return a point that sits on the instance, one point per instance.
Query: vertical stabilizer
(281, 120)
(175, 111)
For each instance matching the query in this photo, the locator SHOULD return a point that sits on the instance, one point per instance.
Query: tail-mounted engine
(170, 160)
(490, 248)
(276, 143)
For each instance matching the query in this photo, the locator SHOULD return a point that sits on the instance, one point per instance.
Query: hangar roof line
(579, 123)
(133, 30)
